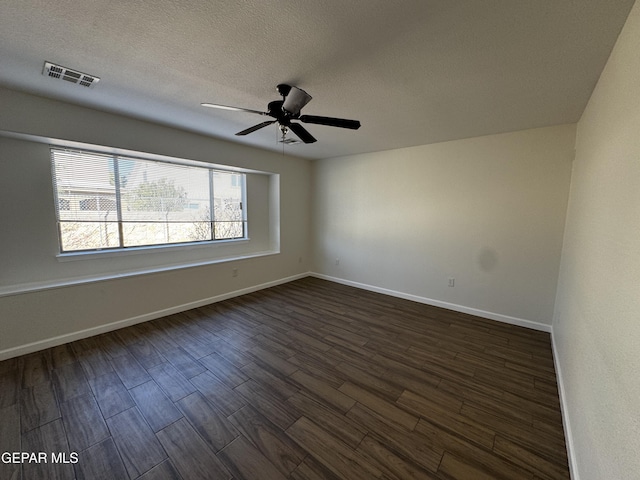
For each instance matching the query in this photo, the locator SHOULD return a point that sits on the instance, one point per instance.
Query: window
(112, 201)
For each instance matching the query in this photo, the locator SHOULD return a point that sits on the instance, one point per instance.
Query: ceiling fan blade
(330, 121)
(295, 100)
(255, 127)
(234, 109)
(302, 132)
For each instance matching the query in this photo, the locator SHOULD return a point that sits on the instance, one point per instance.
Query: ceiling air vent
(72, 76)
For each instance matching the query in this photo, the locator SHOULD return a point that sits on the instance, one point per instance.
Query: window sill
(70, 282)
(119, 252)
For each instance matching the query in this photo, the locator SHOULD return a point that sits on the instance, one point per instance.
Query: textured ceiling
(412, 71)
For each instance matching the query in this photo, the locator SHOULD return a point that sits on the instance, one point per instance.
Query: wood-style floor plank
(447, 419)
(83, 422)
(10, 440)
(310, 469)
(409, 444)
(111, 395)
(162, 471)
(10, 386)
(331, 452)
(390, 463)
(469, 455)
(172, 382)
(139, 448)
(323, 391)
(269, 439)
(217, 393)
(228, 373)
(209, 422)
(309, 380)
(130, 371)
(39, 406)
(341, 426)
(184, 363)
(380, 405)
(48, 438)
(156, 408)
(527, 459)
(190, 454)
(454, 468)
(268, 404)
(270, 380)
(247, 463)
(100, 462)
(70, 381)
(62, 355)
(94, 363)
(35, 369)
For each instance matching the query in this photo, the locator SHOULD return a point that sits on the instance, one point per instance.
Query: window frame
(115, 158)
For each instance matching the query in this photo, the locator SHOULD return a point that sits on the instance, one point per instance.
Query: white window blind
(112, 201)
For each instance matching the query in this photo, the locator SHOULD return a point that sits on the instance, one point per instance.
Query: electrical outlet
(452, 282)
(234, 272)
(337, 262)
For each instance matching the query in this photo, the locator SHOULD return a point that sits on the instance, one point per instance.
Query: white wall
(596, 327)
(488, 211)
(32, 313)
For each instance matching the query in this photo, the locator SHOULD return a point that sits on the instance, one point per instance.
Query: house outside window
(115, 202)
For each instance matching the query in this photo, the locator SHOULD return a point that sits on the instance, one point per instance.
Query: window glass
(86, 201)
(105, 201)
(227, 205)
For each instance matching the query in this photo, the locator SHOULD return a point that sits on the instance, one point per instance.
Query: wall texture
(488, 212)
(31, 315)
(597, 318)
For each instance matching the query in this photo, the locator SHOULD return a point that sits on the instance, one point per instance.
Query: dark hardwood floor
(304, 381)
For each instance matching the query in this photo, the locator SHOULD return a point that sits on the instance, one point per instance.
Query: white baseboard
(568, 435)
(89, 332)
(437, 303)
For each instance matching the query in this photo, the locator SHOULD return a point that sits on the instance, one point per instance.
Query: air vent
(72, 76)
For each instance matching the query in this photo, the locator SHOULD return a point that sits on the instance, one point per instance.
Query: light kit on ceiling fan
(282, 137)
(288, 109)
(289, 141)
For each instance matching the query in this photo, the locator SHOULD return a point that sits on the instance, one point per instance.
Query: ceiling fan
(288, 109)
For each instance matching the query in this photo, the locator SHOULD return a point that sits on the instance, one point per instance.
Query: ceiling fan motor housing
(283, 89)
(275, 110)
